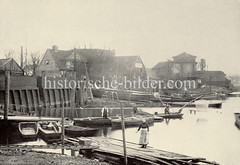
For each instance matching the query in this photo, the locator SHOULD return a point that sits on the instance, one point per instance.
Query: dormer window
(47, 62)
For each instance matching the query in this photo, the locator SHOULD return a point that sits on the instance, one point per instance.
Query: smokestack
(21, 60)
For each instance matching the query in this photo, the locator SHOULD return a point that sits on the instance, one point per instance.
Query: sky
(156, 30)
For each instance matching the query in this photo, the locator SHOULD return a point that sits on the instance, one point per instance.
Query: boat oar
(180, 110)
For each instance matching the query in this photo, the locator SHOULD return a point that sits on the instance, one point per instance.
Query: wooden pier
(111, 150)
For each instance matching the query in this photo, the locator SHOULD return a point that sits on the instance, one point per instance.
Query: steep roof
(61, 55)
(4, 61)
(82, 55)
(128, 61)
(13, 66)
(161, 65)
(127, 58)
(184, 57)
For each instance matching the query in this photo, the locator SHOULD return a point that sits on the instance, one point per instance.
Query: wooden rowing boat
(132, 121)
(74, 131)
(171, 115)
(157, 118)
(92, 121)
(28, 130)
(215, 105)
(49, 130)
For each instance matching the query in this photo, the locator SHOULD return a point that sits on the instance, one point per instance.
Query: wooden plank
(49, 98)
(45, 98)
(28, 100)
(34, 100)
(16, 100)
(13, 99)
(21, 101)
(66, 97)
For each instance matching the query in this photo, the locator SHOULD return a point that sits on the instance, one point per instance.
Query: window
(47, 62)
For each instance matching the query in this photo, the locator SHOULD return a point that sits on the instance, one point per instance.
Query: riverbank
(39, 157)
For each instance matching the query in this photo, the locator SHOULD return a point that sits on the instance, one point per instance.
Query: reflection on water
(209, 133)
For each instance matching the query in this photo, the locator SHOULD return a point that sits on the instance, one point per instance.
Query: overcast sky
(154, 29)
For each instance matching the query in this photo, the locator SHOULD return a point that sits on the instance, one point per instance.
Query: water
(211, 133)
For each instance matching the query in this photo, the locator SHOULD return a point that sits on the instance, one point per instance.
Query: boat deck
(111, 150)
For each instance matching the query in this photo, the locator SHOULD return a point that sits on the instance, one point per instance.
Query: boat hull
(131, 122)
(170, 116)
(28, 130)
(122, 95)
(49, 135)
(157, 118)
(215, 105)
(74, 131)
(92, 122)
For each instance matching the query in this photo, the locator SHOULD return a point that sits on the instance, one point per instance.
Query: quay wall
(27, 93)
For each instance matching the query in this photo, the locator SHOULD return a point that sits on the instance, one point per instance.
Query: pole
(6, 103)
(123, 134)
(62, 114)
(6, 100)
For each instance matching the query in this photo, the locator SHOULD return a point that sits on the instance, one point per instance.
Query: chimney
(55, 48)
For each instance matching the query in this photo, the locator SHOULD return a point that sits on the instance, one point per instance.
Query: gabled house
(9, 64)
(130, 67)
(89, 62)
(61, 63)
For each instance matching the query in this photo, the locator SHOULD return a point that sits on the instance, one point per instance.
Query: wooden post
(62, 114)
(123, 134)
(6, 100)
(73, 153)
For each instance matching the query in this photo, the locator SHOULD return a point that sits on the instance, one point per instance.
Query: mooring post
(123, 134)
(62, 114)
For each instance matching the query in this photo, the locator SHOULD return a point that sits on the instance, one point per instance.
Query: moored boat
(74, 131)
(237, 118)
(49, 130)
(121, 94)
(92, 121)
(132, 121)
(234, 94)
(157, 118)
(67, 122)
(215, 105)
(171, 115)
(28, 130)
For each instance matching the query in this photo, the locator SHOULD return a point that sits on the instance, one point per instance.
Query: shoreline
(40, 157)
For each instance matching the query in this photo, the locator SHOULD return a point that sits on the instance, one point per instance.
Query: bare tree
(35, 60)
(9, 53)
